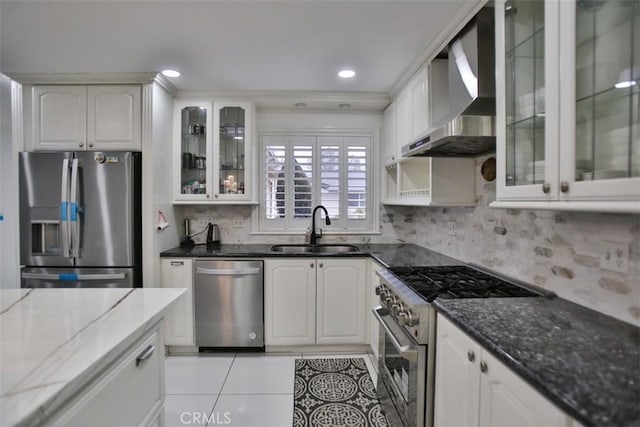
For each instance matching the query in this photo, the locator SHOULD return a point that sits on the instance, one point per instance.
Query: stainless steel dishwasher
(229, 303)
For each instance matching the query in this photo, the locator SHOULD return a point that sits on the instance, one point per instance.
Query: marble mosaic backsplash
(559, 251)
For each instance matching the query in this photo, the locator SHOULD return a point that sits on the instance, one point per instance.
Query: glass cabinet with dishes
(568, 104)
(524, 101)
(194, 150)
(213, 152)
(232, 138)
(601, 44)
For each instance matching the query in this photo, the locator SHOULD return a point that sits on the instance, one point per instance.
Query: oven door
(402, 367)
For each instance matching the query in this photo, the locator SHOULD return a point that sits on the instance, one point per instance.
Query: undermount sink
(324, 249)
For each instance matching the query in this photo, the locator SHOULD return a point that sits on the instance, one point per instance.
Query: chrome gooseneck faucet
(314, 237)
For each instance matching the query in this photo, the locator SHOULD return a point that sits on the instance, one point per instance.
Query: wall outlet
(238, 222)
(451, 228)
(615, 257)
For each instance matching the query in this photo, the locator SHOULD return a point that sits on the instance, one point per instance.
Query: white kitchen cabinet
(420, 119)
(341, 301)
(568, 127)
(431, 181)
(314, 301)
(473, 388)
(374, 301)
(390, 149)
(75, 117)
(290, 301)
(179, 322)
(412, 114)
(213, 152)
(129, 392)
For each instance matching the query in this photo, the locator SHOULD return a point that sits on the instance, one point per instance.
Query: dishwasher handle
(228, 271)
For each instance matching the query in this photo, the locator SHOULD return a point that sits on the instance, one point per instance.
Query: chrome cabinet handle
(471, 356)
(91, 144)
(564, 186)
(483, 367)
(546, 188)
(81, 144)
(145, 355)
(177, 263)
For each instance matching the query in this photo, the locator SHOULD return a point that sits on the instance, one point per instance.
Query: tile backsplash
(559, 251)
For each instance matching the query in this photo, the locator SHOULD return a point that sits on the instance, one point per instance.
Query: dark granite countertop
(389, 255)
(585, 362)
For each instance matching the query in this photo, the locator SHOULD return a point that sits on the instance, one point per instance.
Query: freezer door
(77, 277)
(108, 199)
(42, 206)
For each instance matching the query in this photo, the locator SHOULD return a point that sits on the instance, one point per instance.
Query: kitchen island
(66, 354)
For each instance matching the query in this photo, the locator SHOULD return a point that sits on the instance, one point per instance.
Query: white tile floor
(242, 390)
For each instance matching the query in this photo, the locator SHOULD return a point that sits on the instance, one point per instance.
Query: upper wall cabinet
(213, 152)
(568, 105)
(73, 117)
(413, 109)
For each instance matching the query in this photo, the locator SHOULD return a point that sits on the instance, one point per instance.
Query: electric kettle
(213, 235)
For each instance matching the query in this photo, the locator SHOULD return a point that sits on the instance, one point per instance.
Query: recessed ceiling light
(347, 74)
(625, 84)
(171, 73)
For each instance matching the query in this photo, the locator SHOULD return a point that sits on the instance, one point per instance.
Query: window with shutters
(300, 172)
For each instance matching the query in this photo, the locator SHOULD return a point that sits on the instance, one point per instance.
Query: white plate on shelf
(604, 174)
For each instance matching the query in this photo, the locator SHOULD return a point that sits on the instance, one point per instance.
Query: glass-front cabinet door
(601, 44)
(526, 96)
(194, 151)
(232, 141)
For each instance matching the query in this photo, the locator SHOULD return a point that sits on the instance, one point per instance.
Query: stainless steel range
(407, 333)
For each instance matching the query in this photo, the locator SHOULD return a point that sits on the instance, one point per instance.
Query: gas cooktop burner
(457, 282)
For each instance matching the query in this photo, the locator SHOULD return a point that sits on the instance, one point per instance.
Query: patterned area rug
(335, 393)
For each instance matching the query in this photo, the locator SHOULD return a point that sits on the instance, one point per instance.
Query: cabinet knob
(546, 188)
(81, 144)
(91, 144)
(320, 265)
(208, 196)
(311, 265)
(216, 195)
(483, 367)
(564, 186)
(471, 356)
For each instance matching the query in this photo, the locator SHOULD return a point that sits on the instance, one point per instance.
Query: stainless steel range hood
(469, 129)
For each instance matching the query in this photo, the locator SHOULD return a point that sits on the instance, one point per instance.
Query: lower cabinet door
(290, 301)
(130, 393)
(457, 388)
(341, 293)
(179, 327)
(507, 400)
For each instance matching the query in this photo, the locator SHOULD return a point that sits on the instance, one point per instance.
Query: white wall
(157, 157)
(9, 257)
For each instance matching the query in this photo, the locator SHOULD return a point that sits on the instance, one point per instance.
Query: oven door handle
(405, 351)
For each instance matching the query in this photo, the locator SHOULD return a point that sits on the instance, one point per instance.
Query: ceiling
(294, 45)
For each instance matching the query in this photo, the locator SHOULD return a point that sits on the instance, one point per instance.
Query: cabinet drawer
(129, 393)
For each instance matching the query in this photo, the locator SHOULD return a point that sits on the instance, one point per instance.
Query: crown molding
(87, 78)
(314, 100)
(166, 84)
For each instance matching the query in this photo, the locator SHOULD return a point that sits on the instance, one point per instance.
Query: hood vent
(468, 127)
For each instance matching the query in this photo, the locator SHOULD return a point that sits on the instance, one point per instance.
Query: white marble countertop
(52, 341)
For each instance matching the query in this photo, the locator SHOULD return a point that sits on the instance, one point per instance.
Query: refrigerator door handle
(74, 277)
(73, 211)
(64, 209)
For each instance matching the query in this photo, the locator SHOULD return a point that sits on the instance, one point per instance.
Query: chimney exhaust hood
(469, 127)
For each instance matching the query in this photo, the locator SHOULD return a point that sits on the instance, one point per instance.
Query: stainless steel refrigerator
(80, 219)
